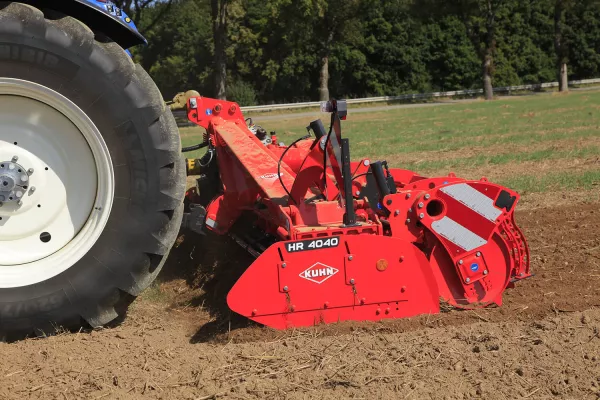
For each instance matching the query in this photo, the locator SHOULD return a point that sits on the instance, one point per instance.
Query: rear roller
(91, 179)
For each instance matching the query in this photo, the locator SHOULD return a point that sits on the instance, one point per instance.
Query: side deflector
(329, 279)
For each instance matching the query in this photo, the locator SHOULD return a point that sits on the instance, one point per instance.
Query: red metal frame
(433, 238)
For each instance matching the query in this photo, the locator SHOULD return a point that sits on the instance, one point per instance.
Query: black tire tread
(158, 229)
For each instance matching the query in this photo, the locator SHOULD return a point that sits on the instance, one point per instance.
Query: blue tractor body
(100, 15)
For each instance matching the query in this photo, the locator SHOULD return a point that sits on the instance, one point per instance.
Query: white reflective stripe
(473, 199)
(211, 222)
(457, 234)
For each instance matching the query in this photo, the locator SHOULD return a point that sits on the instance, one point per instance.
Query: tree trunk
(219, 15)
(488, 90)
(488, 52)
(559, 47)
(563, 80)
(324, 79)
(220, 68)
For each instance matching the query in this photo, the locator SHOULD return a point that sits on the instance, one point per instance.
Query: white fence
(420, 96)
(182, 116)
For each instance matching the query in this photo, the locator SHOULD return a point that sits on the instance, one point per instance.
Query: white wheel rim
(68, 196)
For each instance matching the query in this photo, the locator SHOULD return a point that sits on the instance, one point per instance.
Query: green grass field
(534, 144)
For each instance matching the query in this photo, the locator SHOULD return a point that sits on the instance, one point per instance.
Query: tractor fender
(100, 16)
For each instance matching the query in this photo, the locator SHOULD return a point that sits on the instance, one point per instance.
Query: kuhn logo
(319, 273)
(270, 177)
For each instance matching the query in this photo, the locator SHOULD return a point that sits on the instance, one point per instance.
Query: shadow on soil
(210, 266)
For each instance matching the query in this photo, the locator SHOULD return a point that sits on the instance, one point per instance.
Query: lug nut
(460, 262)
(30, 171)
(403, 289)
(408, 220)
(427, 196)
(478, 254)
(468, 280)
(15, 158)
(32, 189)
(366, 163)
(357, 193)
(283, 265)
(350, 258)
(421, 215)
(421, 205)
(397, 212)
(387, 310)
(363, 300)
(352, 281)
(408, 195)
(485, 271)
(285, 288)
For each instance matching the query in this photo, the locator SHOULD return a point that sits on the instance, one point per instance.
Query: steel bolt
(326, 304)
(32, 189)
(397, 212)
(283, 265)
(408, 220)
(15, 158)
(410, 210)
(408, 195)
(357, 193)
(20, 203)
(366, 163)
(478, 254)
(254, 311)
(460, 262)
(401, 258)
(285, 288)
(421, 205)
(468, 280)
(485, 271)
(403, 289)
(522, 274)
(387, 310)
(292, 308)
(427, 196)
(421, 215)
(352, 281)
(378, 311)
(350, 258)
(30, 171)
(363, 300)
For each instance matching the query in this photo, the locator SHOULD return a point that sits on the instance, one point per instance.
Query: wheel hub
(14, 181)
(47, 228)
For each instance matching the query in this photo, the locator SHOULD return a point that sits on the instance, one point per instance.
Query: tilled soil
(544, 342)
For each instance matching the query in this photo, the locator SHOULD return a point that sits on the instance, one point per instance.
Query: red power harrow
(338, 240)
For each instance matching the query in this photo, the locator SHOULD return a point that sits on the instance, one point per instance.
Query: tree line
(273, 51)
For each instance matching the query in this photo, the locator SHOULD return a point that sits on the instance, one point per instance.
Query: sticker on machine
(319, 273)
(312, 244)
(270, 177)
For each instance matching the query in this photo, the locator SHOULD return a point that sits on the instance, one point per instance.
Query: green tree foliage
(279, 50)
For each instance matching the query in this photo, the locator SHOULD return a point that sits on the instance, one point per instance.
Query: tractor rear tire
(112, 162)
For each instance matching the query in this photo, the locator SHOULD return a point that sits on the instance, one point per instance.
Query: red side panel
(364, 277)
